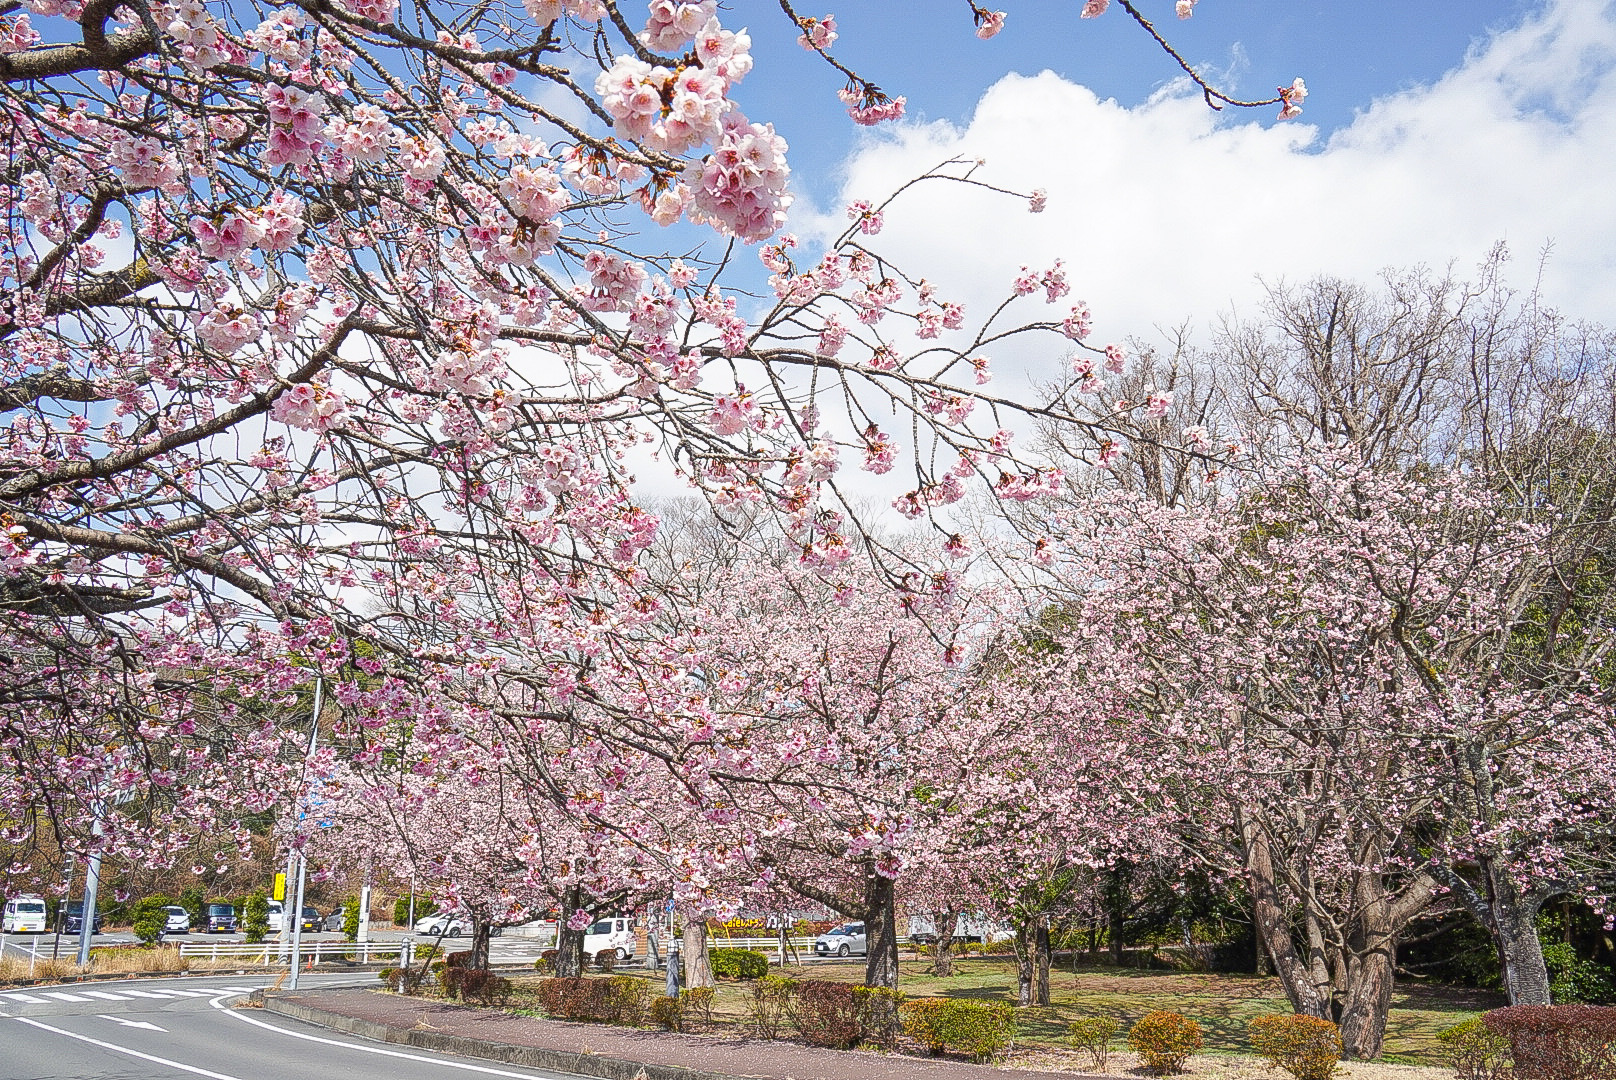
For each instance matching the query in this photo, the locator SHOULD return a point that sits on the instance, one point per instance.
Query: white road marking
(374, 1049)
(104, 994)
(131, 1023)
(65, 997)
(145, 994)
(115, 1048)
(26, 998)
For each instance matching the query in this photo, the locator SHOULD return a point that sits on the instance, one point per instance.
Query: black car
(219, 919)
(73, 918)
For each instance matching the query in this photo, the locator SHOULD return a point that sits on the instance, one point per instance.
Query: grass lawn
(1222, 1004)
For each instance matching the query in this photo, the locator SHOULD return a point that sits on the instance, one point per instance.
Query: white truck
(971, 926)
(614, 935)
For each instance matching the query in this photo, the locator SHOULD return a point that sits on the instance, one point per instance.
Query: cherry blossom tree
(329, 333)
(1286, 688)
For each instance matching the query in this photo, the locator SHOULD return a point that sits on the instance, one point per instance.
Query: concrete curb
(596, 1065)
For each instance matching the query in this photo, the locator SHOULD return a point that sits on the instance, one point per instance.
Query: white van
(610, 936)
(275, 916)
(24, 915)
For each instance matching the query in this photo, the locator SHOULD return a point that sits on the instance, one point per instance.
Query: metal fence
(274, 952)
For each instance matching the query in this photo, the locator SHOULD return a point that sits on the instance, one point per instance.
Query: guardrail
(273, 952)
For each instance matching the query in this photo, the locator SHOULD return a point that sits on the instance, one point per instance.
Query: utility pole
(295, 912)
(92, 881)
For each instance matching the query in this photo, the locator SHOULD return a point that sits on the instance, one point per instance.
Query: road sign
(280, 888)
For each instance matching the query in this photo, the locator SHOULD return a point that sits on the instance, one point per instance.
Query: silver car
(179, 920)
(845, 940)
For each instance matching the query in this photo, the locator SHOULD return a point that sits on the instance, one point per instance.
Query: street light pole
(92, 881)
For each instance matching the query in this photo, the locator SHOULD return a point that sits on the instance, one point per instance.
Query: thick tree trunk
(880, 931)
(1511, 921)
(943, 965)
(1025, 975)
(698, 967)
(569, 943)
(1368, 998)
(1041, 960)
(481, 931)
(1274, 932)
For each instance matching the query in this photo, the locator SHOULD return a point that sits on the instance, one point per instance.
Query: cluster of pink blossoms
(310, 407)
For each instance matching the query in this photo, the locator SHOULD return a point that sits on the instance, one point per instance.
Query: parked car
(845, 940)
(24, 915)
(334, 922)
(219, 919)
(179, 920)
(274, 916)
(73, 918)
(443, 923)
(312, 918)
(610, 935)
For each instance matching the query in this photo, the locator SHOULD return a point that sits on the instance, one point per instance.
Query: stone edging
(596, 1065)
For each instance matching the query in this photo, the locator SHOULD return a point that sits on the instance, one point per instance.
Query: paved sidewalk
(614, 1053)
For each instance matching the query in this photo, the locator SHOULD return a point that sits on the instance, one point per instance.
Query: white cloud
(1167, 211)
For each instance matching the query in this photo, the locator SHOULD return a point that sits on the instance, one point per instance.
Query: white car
(610, 936)
(845, 940)
(179, 920)
(443, 924)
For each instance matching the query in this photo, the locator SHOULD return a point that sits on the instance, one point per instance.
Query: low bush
(476, 984)
(668, 1012)
(1093, 1035)
(1307, 1047)
(738, 963)
(826, 1013)
(546, 963)
(149, 918)
(1474, 1051)
(350, 918)
(628, 998)
(255, 918)
(696, 1005)
(1558, 1042)
(577, 998)
(458, 959)
(978, 1029)
(879, 1020)
(1164, 1041)
(771, 1004)
(606, 960)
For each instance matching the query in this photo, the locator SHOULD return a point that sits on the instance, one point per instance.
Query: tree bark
(1371, 968)
(1274, 931)
(880, 931)
(1511, 920)
(698, 968)
(481, 931)
(1041, 959)
(569, 943)
(943, 964)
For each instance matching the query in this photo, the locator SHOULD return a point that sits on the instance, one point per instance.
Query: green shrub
(1164, 1041)
(978, 1029)
(194, 903)
(149, 918)
(879, 1020)
(1473, 1051)
(738, 963)
(545, 964)
(255, 918)
(628, 998)
(771, 1004)
(669, 1012)
(696, 1008)
(350, 918)
(1307, 1047)
(1093, 1035)
(826, 1013)
(401, 909)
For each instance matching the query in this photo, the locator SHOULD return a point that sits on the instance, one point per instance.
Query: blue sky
(1349, 51)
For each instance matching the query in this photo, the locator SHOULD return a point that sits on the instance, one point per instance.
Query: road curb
(596, 1065)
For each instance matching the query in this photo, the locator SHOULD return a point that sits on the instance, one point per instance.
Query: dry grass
(103, 961)
(1218, 1067)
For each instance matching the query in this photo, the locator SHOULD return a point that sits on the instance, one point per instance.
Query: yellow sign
(280, 887)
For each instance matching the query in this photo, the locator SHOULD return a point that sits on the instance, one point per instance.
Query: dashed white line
(65, 997)
(27, 999)
(107, 995)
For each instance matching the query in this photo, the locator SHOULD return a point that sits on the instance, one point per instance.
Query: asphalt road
(177, 1029)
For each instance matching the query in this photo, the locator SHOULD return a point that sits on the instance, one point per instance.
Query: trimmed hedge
(1473, 1051)
(696, 1007)
(977, 1028)
(879, 1020)
(1558, 1042)
(738, 963)
(1307, 1047)
(1164, 1041)
(476, 984)
(826, 1013)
